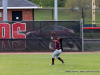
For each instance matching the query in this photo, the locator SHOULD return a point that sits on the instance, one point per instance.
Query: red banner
(16, 32)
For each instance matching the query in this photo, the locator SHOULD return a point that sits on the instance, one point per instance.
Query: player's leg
(53, 61)
(57, 56)
(61, 60)
(53, 56)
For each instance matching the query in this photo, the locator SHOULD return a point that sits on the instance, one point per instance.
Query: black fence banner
(36, 35)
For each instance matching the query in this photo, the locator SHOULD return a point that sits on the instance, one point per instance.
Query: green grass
(39, 64)
(44, 14)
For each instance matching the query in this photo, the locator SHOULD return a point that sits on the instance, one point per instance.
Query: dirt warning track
(2, 53)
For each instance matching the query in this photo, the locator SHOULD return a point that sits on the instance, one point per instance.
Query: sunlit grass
(39, 64)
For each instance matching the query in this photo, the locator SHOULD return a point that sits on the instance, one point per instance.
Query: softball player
(58, 48)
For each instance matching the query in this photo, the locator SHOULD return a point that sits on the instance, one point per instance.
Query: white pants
(56, 53)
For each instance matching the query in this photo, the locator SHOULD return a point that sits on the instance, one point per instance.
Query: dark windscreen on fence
(92, 45)
(36, 35)
(91, 39)
(92, 36)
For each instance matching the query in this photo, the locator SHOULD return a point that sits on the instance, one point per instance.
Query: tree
(98, 3)
(81, 4)
(48, 3)
(70, 4)
(61, 3)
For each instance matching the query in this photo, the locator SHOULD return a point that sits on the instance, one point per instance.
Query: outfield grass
(63, 14)
(39, 64)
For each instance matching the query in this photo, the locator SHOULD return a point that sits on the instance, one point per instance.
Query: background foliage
(49, 3)
(81, 4)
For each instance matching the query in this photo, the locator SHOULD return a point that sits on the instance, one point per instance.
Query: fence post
(5, 10)
(55, 10)
(81, 21)
(83, 15)
(52, 14)
(40, 28)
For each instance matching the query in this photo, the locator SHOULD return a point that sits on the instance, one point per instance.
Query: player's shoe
(52, 64)
(63, 62)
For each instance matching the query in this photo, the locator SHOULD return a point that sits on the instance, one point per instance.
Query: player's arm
(52, 37)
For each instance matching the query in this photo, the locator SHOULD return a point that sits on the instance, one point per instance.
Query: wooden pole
(93, 12)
